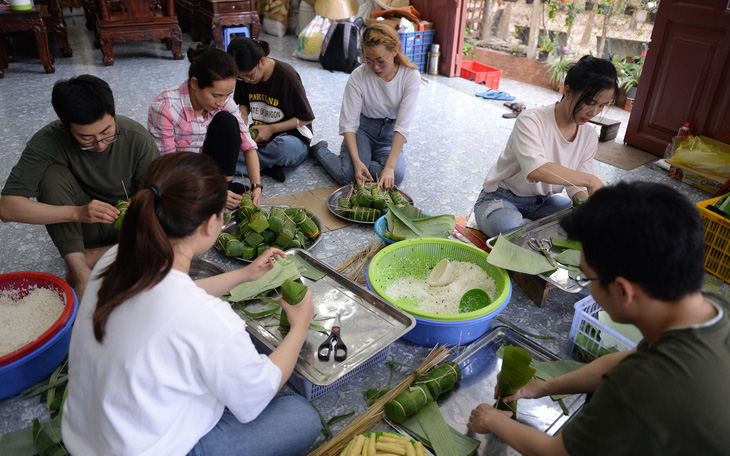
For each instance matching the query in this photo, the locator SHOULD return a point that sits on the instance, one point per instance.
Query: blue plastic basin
(38, 364)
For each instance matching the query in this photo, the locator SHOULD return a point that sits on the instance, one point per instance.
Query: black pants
(223, 141)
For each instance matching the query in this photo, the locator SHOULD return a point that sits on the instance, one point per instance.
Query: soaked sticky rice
(444, 299)
(23, 320)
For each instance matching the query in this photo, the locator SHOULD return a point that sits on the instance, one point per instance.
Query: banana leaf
(282, 270)
(465, 446)
(516, 373)
(569, 257)
(404, 218)
(437, 430)
(515, 258)
(306, 269)
(565, 243)
(439, 226)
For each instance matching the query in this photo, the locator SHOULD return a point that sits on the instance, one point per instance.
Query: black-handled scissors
(333, 340)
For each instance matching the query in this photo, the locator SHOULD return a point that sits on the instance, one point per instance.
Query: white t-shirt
(536, 140)
(372, 97)
(172, 358)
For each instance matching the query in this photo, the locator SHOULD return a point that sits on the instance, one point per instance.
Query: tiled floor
(457, 137)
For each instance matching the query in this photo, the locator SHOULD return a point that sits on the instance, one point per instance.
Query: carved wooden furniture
(17, 21)
(216, 14)
(137, 20)
(187, 13)
(51, 10)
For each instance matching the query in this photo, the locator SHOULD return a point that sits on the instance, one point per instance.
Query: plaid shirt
(176, 128)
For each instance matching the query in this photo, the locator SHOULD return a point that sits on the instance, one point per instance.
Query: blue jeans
(502, 210)
(288, 426)
(374, 139)
(284, 150)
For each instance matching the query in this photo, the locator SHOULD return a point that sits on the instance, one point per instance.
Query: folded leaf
(515, 258)
(569, 257)
(440, 226)
(282, 270)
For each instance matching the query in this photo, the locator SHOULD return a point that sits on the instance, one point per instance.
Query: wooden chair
(137, 20)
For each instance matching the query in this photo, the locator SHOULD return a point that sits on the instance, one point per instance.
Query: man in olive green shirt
(642, 248)
(77, 168)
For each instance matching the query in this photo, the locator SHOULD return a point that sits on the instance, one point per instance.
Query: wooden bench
(609, 127)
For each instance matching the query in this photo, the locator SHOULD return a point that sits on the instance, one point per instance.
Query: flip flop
(511, 115)
(496, 95)
(516, 106)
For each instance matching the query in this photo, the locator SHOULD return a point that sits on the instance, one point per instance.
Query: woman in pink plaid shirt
(200, 116)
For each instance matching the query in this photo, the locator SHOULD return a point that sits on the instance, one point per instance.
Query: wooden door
(449, 21)
(686, 76)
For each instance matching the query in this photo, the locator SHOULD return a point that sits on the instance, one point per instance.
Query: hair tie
(156, 191)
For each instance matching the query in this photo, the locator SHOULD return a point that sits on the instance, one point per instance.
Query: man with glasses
(642, 256)
(77, 168)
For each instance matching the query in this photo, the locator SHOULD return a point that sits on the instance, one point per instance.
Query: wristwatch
(255, 186)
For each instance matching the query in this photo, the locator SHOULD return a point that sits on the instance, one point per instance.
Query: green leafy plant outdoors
(469, 48)
(557, 71)
(629, 71)
(517, 49)
(547, 44)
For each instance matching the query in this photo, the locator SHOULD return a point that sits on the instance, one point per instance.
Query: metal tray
(345, 191)
(368, 324)
(479, 367)
(546, 227)
(230, 227)
(200, 268)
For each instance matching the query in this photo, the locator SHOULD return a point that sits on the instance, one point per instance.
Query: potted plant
(547, 47)
(629, 74)
(557, 71)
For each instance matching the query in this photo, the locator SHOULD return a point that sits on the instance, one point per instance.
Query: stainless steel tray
(230, 227)
(345, 191)
(479, 367)
(368, 324)
(546, 227)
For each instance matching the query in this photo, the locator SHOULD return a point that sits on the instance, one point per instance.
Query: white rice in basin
(23, 320)
(445, 299)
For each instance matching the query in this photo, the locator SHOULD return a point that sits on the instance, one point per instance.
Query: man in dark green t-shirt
(642, 257)
(77, 168)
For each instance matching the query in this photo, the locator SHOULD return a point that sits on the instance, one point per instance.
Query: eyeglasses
(248, 77)
(584, 281)
(108, 140)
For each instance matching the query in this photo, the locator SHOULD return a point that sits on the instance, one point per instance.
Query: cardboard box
(703, 180)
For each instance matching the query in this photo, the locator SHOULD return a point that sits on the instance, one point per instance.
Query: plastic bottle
(433, 61)
(684, 130)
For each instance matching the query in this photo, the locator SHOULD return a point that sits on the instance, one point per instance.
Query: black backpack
(341, 46)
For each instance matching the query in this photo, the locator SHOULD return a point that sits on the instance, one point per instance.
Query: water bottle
(433, 61)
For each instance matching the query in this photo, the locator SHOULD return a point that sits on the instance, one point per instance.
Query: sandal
(516, 106)
(511, 115)
(496, 95)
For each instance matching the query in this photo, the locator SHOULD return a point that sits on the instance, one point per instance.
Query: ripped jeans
(501, 211)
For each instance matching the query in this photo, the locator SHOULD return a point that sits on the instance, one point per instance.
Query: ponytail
(248, 52)
(182, 191)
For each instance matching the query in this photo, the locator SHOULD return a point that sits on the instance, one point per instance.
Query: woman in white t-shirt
(550, 148)
(378, 108)
(158, 363)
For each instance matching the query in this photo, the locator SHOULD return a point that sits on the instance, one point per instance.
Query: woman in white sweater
(377, 113)
(550, 149)
(158, 363)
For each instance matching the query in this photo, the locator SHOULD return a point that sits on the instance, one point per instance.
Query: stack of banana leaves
(721, 206)
(368, 203)
(408, 222)
(257, 230)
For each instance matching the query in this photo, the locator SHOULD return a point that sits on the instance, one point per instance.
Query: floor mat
(622, 156)
(315, 201)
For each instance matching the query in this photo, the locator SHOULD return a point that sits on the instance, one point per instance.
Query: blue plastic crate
(416, 46)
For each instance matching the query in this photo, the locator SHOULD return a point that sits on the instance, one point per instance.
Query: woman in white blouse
(377, 113)
(550, 148)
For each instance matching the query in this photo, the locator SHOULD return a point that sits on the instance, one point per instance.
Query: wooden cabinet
(213, 15)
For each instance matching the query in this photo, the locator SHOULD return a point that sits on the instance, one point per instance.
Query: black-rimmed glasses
(108, 140)
(584, 281)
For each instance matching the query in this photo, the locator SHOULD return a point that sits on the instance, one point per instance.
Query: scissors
(333, 342)
(543, 246)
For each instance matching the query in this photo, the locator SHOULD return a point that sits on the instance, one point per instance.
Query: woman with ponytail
(200, 115)
(550, 149)
(158, 363)
(378, 108)
(271, 91)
